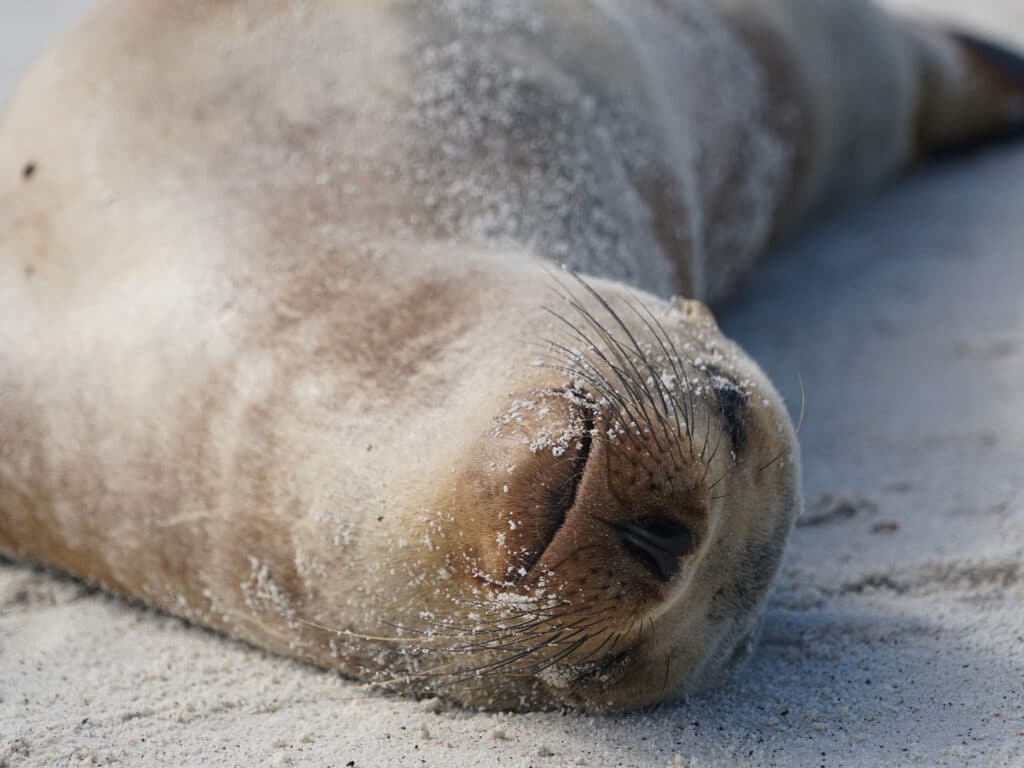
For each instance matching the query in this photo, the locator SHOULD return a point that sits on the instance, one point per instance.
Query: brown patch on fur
(787, 117)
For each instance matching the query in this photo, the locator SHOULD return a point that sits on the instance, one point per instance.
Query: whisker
(629, 335)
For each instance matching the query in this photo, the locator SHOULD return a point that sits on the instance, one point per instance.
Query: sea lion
(283, 353)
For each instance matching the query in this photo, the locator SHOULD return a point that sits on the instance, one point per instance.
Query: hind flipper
(972, 93)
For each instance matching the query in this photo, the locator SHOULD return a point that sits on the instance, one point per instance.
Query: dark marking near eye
(732, 402)
(28, 171)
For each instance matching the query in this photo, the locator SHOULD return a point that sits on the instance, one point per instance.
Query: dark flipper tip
(1004, 62)
(1001, 72)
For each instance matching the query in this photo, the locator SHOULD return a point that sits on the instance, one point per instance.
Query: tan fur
(274, 293)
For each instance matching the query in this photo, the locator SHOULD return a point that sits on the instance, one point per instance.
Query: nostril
(658, 543)
(563, 496)
(548, 493)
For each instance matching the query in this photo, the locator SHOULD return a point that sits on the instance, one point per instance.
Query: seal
(284, 353)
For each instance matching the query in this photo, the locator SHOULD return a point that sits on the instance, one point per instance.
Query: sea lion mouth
(644, 529)
(567, 676)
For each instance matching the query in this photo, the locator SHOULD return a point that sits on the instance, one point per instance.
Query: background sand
(895, 637)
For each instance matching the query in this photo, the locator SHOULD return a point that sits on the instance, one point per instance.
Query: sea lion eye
(732, 403)
(658, 543)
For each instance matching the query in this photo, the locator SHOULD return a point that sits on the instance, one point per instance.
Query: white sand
(896, 636)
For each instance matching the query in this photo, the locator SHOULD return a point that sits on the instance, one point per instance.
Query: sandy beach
(895, 635)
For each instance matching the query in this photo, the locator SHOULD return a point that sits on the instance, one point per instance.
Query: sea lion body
(282, 355)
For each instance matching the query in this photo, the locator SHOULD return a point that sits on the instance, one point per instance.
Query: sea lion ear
(694, 311)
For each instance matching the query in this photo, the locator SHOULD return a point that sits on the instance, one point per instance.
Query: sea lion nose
(658, 543)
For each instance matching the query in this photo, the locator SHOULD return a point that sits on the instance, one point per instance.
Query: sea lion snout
(645, 508)
(555, 488)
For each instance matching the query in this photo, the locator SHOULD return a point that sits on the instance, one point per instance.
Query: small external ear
(694, 311)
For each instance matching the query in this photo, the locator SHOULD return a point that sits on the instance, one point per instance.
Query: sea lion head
(616, 528)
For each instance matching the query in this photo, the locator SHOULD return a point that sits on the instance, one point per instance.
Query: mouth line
(585, 674)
